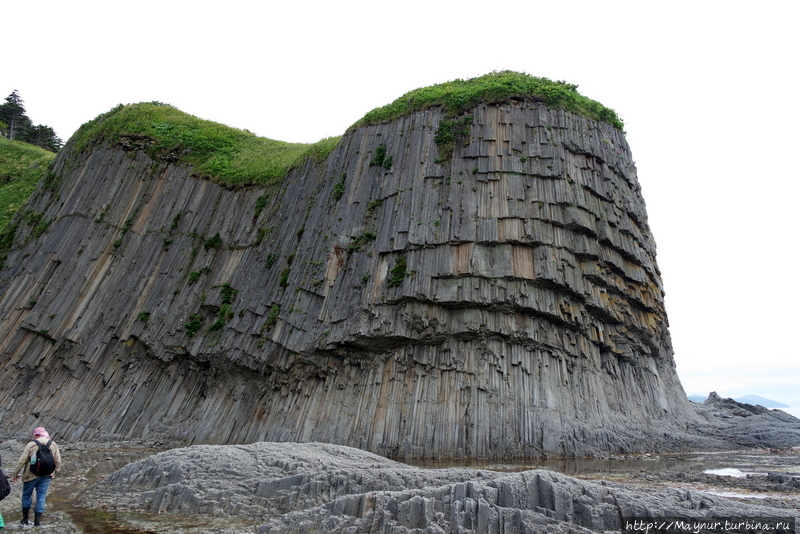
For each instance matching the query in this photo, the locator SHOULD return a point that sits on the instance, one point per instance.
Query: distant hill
(747, 399)
(766, 403)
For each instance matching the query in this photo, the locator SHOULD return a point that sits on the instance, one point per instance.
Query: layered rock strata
(497, 298)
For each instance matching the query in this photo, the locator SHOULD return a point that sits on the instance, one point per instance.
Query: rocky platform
(326, 488)
(272, 488)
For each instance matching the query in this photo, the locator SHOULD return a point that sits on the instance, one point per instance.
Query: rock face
(313, 487)
(499, 300)
(747, 425)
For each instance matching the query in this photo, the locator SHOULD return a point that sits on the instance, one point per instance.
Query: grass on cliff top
(225, 155)
(21, 167)
(461, 96)
(234, 157)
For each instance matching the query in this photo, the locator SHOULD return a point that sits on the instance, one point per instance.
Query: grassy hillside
(235, 157)
(460, 96)
(21, 167)
(220, 153)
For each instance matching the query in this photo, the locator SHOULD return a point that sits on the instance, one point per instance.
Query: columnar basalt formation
(498, 297)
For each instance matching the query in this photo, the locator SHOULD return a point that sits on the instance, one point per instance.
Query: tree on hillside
(43, 136)
(12, 113)
(18, 126)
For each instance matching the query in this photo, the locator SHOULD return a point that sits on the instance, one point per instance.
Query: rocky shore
(274, 488)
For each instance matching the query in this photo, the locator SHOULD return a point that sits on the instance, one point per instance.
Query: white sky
(707, 90)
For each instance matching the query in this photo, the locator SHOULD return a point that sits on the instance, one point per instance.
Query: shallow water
(96, 467)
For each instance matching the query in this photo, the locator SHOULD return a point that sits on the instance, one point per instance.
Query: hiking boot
(25, 521)
(37, 516)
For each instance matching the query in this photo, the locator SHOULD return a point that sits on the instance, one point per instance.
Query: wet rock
(316, 487)
(785, 479)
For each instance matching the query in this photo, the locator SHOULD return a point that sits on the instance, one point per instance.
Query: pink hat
(40, 431)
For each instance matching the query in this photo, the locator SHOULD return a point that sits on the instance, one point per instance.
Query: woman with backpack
(39, 463)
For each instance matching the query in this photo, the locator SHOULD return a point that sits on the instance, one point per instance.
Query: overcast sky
(707, 91)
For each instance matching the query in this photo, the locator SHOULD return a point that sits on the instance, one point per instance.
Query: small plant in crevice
(213, 242)
(271, 260)
(102, 213)
(284, 280)
(361, 240)
(175, 221)
(450, 132)
(398, 272)
(272, 318)
(261, 203)
(194, 276)
(144, 316)
(338, 188)
(225, 314)
(372, 207)
(379, 157)
(40, 228)
(262, 234)
(227, 293)
(194, 324)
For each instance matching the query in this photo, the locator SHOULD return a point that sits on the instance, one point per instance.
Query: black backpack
(43, 463)
(5, 487)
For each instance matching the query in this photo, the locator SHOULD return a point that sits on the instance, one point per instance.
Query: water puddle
(94, 466)
(726, 472)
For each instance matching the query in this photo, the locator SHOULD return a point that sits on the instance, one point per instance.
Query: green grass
(234, 157)
(21, 167)
(461, 96)
(220, 153)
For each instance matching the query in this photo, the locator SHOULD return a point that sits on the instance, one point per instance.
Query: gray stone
(530, 320)
(313, 487)
(747, 425)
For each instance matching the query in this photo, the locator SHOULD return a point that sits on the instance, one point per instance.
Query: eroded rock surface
(747, 425)
(316, 487)
(500, 301)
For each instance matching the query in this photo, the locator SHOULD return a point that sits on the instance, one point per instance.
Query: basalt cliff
(495, 294)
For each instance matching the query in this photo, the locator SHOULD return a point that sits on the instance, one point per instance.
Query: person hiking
(38, 466)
